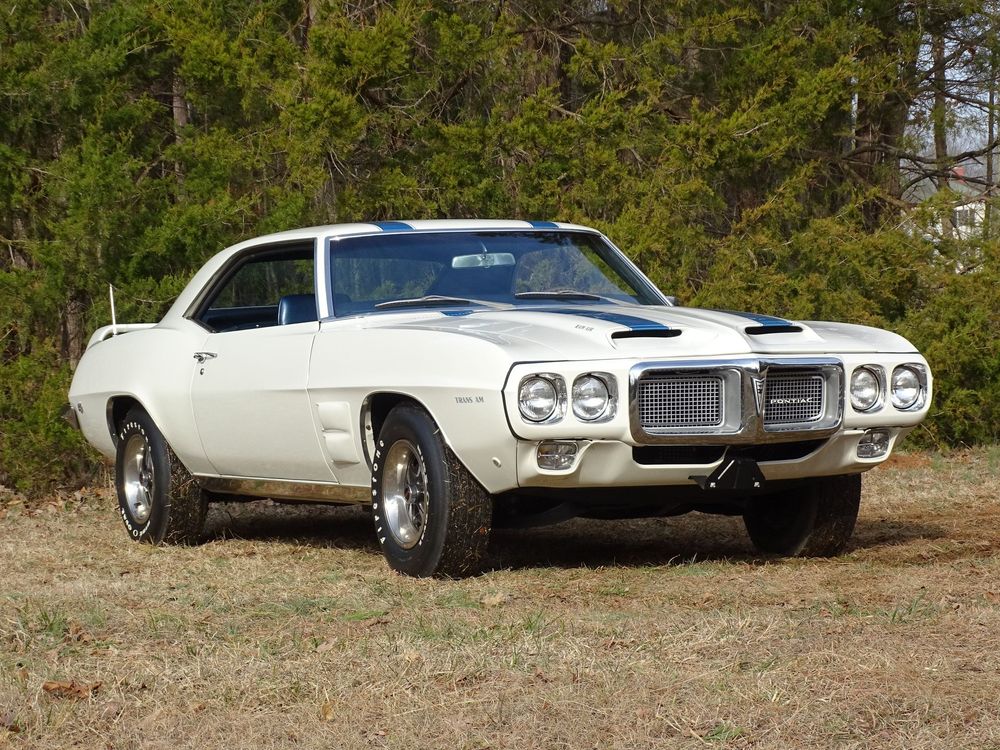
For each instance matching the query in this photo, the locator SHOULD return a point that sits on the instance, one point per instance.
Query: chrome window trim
(744, 394)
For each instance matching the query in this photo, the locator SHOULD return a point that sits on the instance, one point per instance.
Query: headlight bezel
(878, 373)
(610, 408)
(558, 385)
(920, 372)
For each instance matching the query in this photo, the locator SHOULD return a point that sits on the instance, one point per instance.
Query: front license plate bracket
(736, 472)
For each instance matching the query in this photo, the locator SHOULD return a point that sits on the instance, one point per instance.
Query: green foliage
(137, 138)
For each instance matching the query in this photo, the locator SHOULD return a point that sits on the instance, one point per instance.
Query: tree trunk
(180, 114)
(991, 133)
(939, 115)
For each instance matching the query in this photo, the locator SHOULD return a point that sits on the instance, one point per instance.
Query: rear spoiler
(106, 332)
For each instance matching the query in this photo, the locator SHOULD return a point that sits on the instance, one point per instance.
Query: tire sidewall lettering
(134, 531)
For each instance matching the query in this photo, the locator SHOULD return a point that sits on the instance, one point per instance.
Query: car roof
(420, 225)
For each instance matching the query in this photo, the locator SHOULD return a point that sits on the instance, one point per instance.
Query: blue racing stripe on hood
(544, 224)
(764, 320)
(393, 226)
(629, 321)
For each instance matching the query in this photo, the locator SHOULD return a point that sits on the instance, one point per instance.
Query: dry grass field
(287, 630)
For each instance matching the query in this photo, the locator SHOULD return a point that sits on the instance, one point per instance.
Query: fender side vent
(654, 333)
(757, 330)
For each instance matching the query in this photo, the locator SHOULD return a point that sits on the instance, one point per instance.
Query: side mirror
(671, 299)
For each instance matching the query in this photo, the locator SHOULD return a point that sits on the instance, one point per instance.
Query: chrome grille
(793, 398)
(685, 401)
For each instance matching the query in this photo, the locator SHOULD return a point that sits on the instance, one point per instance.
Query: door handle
(203, 357)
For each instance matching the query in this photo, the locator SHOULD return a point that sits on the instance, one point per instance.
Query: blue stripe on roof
(764, 320)
(629, 321)
(544, 224)
(393, 226)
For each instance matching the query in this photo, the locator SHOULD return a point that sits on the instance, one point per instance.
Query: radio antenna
(114, 322)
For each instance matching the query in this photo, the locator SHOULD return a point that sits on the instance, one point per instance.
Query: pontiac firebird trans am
(454, 375)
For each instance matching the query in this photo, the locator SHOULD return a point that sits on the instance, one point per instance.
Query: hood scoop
(647, 333)
(784, 328)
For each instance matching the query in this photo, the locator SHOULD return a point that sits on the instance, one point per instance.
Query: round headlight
(864, 389)
(905, 387)
(590, 397)
(537, 399)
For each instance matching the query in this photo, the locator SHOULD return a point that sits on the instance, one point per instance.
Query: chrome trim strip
(744, 416)
(284, 489)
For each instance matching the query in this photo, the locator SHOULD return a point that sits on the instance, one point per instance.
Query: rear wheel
(813, 520)
(432, 517)
(158, 500)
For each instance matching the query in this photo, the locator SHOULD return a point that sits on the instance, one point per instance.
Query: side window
(268, 289)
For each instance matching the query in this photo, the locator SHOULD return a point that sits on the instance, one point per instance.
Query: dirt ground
(288, 630)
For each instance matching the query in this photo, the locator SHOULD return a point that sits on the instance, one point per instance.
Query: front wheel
(813, 520)
(158, 500)
(432, 517)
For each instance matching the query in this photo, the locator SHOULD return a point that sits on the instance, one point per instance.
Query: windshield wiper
(559, 294)
(429, 300)
(569, 294)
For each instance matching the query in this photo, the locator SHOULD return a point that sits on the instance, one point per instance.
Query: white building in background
(968, 216)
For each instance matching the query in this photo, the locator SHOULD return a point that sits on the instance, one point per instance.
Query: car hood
(574, 331)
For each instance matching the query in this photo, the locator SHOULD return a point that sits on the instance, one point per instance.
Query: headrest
(296, 308)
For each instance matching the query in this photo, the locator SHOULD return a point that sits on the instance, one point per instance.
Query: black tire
(812, 520)
(432, 518)
(158, 500)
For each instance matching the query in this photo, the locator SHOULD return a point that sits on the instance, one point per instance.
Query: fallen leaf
(76, 632)
(72, 689)
(326, 711)
(495, 600)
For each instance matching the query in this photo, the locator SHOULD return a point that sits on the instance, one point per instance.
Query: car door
(248, 391)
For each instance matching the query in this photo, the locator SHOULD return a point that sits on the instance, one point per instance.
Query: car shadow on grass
(672, 541)
(576, 543)
(331, 526)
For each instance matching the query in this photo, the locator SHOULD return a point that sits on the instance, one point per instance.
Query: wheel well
(118, 407)
(373, 413)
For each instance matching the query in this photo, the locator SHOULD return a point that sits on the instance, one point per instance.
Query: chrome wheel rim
(405, 496)
(138, 478)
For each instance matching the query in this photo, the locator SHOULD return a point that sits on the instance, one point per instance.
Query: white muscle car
(453, 375)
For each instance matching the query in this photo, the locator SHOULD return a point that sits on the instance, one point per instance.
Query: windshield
(528, 269)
